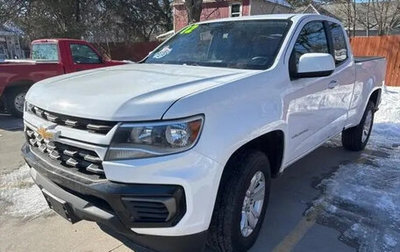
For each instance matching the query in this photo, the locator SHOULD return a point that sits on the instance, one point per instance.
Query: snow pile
(389, 110)
(362, 199)
(19, 196)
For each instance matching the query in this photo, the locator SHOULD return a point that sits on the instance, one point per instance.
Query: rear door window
(339, 43)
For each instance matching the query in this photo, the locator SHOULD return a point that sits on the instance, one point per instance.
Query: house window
(236, 10)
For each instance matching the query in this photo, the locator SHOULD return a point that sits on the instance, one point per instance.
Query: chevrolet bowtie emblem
(43, 132)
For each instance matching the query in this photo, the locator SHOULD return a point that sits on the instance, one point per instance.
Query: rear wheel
(15, 100)
(356, 138)
(240, 207)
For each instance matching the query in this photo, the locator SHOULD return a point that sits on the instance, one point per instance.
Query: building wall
(211, 10)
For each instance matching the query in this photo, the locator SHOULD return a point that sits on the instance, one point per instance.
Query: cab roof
(289, 16)
(56, 40)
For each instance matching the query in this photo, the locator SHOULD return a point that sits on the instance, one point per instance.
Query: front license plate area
(60, 207)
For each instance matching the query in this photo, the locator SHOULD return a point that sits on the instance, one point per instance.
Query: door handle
(332, 84)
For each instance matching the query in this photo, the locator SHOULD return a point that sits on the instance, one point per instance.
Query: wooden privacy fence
(129, 51)
(386, 46)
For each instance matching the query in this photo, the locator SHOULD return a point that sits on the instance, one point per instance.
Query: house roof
(281, 2)
(9, 29)
(317, 9)
(5, 32)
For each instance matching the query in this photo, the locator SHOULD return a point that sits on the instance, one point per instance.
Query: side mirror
(315, 65)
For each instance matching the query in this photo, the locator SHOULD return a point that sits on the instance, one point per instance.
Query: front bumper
(109, 204)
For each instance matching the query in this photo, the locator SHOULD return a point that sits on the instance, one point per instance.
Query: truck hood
(127, 93)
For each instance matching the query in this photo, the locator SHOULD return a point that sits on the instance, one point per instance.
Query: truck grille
(95, 126)
(72, 158)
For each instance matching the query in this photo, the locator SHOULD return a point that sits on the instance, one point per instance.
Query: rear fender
(25, 84)
(18, 84)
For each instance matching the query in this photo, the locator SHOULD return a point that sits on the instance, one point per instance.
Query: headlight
(141, 140)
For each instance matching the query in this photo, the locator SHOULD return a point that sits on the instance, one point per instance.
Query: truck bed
(366, 58)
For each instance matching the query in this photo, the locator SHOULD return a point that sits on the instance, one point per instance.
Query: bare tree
(49, 18)
(368, 23)
(95, 20)
(299, 3)
(139, 20)
(167, 12)
(354, 18)
(364, 16)
(193, 9)
(386, 14)
(9, 9)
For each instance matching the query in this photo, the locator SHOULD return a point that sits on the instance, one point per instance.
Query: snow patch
(19, 196)
(362, 199)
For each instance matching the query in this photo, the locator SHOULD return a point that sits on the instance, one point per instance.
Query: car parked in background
(49, 57)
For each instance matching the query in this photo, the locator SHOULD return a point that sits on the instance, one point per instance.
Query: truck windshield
(45, 52)
(250, 44)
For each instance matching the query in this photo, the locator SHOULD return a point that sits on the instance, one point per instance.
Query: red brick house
(214, 9)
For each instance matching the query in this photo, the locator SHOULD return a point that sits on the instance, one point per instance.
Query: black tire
(225, 229)
(14, 101)
(352, 138)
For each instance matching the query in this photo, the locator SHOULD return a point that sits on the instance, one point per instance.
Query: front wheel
(241, 203)
(356, 138)
(15, 100)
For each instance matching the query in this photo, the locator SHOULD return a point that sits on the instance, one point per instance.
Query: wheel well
(4, 99)
(375, 97)
(271, 144)
(19, 84)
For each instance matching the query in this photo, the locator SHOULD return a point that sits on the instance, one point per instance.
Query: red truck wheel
(15, 100)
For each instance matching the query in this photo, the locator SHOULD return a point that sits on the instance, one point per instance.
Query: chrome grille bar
(91, 125)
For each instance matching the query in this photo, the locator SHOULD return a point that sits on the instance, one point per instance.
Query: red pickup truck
(49, 57)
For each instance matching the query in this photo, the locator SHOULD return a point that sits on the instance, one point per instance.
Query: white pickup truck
(179, 150)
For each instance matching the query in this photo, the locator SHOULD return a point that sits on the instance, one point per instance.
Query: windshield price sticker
(162, 53)
(189, 29)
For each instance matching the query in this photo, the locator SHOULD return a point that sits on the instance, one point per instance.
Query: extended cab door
(83, 57)
(318, 105)
(344, 75)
